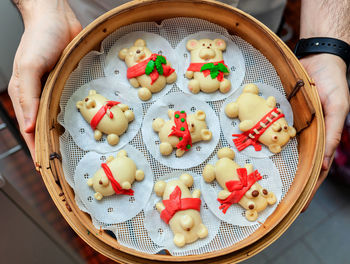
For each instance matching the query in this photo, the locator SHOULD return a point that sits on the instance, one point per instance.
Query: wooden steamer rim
(299, 88)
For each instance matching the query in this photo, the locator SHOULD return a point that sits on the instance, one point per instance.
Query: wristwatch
(334, 46)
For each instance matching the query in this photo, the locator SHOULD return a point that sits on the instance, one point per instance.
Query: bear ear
(206, 134)
(187, 179)
(79, 104)
(291, 131)
(122, 54)
(122, 154)
(226, 153)
(274, 148)
(220, 44)
(92, 92)
(171, 113)
(140, 43)
(200, 115)
(192, 44)
(159, 187)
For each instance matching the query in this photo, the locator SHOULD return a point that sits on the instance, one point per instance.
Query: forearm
(32, 9)
(325, 18)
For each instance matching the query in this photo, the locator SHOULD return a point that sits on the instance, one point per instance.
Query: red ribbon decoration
(250, 137)
(196, 67)
(139, 69)
(175, 204)
(115, 185)
(181, 131)
(100, 114)
(239, 188)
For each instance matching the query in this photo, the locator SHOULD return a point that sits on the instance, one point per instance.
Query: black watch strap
(334, 46)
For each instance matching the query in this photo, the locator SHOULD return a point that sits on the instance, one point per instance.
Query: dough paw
(98, 196)
(129, 115)
(139, 175)
(144, 94)
(203, 231)
(251, 215)
(179, 240)
(271, 198)
(113, 139)
(231, 110)
(225, 86)
(171, 78)
(165, 148)
(193, 86)
(97, 134)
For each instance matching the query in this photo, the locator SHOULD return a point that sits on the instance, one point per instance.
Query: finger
(29, 75)
(334, 122)
(13, 93)
(321, 178)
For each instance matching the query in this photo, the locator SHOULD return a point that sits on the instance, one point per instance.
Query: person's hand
(329, 74)
(49, 27)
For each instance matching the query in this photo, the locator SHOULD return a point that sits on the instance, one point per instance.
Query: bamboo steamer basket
(300, 90)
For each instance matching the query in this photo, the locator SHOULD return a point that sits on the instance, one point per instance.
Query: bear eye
(285, 127)
(255, 193)
(192, 125)
(138, 51)
(279, 129)
(203, 44)
(210, 44)
(86, 99)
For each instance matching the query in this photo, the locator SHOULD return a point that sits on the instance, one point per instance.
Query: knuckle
(12, 88)
(22, 100)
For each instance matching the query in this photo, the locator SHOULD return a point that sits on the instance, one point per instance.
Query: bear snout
(207, 53)
(139, 55)
(90, 103)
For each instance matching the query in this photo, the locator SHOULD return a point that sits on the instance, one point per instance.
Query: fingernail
(325, 163)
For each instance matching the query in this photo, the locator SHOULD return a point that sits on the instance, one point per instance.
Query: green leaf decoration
(161, 59)
(207, 66)
(222, 68)
(214, 73)
(159, 67)
(149, 67)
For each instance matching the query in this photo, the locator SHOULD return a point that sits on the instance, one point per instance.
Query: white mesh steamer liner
(117, 68)
(201, 150)
(132, 233)
(161, 233)
(232, 56)
(235, 214)
(80, 129)
(230, 125)
(115, 208)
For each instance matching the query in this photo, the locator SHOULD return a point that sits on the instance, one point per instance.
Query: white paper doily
(201, 150)
(161, 233)
(80, 129)
(117, 68)
(230, 125)
(115, 208)
(235, 214)
(233, 58)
